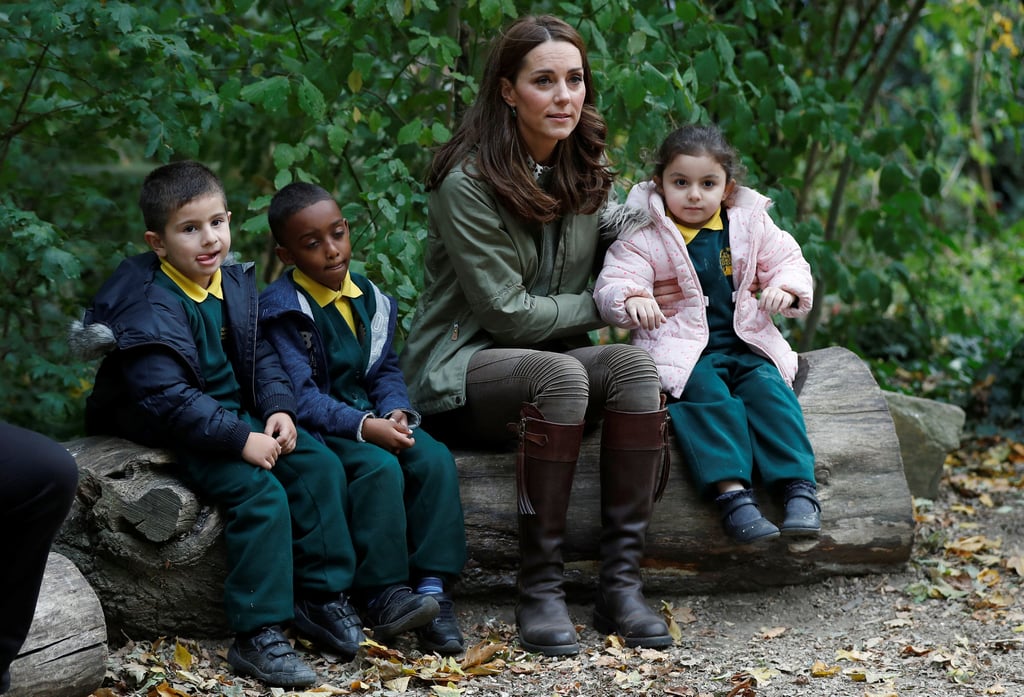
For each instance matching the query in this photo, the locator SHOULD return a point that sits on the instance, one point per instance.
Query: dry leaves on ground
(951, 624)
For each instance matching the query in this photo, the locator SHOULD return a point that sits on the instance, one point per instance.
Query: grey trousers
(566, 387)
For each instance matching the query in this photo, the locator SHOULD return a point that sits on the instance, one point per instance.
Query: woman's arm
(491, 271)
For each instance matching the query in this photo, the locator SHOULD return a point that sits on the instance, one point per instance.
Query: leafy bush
(893, 177)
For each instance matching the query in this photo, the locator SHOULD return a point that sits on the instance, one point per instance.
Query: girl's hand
(774, 300)
(644, 311)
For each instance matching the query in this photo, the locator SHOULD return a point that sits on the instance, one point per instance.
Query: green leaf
(355, 81)
(706, 67)
(931, 181)
(410, 132)
(337, 138)
(891, 179)
(271, 92)
(637, 41)
(311, 100)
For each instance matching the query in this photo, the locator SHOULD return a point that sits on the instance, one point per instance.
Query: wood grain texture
(65, 653)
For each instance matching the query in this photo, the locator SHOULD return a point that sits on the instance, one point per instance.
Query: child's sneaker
(269, 657)
(442, 635)
(335, 624)
(397, 609)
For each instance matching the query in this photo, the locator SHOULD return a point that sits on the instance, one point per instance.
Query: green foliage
(890, 142)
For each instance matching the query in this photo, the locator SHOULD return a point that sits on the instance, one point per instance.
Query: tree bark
(65, 653)
(156, 556)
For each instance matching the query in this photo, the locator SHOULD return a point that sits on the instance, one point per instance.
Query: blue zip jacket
(287, 322)
(149, 387)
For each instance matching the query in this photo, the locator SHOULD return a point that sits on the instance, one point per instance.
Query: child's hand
(281, 427)
(261, 450)
(390, 434)
(400, 418)
(644, 311)
(668, 294)
(775, 300)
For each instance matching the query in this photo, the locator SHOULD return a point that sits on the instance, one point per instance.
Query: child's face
(196, 239)
(693, 189)
(316, 240)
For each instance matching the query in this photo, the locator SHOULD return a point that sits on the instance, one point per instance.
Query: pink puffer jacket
(763, 255)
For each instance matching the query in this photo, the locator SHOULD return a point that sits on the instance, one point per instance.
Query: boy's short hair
(290, 200)
(168, 188)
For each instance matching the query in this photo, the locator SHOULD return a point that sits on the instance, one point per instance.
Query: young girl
(726, 367)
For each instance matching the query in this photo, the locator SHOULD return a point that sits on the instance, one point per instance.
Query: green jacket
(480, 264)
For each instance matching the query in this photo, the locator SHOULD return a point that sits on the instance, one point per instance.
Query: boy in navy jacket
(334, 331)
(187, 370)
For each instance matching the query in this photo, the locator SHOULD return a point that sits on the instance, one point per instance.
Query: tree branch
(17, 127)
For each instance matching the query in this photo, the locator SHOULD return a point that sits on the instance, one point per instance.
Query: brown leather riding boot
(634, 470)
(544, 472)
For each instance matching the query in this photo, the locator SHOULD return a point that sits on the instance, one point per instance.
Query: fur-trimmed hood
(618, 219)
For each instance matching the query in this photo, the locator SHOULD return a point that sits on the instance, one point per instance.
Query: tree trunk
(155, 555)
(65, 653)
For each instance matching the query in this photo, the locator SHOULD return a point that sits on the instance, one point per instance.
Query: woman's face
(547, 95)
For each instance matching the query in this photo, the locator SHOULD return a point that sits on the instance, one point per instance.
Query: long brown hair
(488, 135)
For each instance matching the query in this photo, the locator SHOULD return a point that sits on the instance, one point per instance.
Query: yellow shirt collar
(689, 233)
(191, 288)
(323, 295)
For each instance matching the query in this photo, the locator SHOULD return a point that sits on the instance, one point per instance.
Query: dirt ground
(950, 623)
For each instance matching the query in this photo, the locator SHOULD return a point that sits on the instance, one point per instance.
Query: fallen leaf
(398, 684)
(773, 632)
(480, 653)
(820, 670)
(446, 691)
(763, 676)
(182, 656)
(909, 650)
(842, 654)
(164, 689)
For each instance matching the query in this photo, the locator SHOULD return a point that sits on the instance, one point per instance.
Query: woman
(500, 334)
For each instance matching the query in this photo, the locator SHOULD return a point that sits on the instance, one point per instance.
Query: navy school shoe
(442, 635)
(398, 609)
(268, 656)
(334, 624)
(803, 511)
(742, 519)
(5, 681)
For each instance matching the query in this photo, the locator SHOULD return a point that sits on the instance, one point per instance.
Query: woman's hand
(668, 294)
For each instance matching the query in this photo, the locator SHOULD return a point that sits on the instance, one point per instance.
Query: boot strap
(666, 466)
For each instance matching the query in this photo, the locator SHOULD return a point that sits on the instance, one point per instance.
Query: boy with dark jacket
(187, 370)
(334, 332)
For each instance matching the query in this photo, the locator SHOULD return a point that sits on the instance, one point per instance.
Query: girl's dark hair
(171, 186)
(291, 199)
(487, 135)
(696, 141)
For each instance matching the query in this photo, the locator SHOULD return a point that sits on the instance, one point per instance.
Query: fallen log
(155, 554)
(65, 653)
